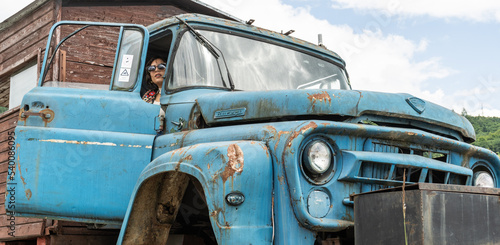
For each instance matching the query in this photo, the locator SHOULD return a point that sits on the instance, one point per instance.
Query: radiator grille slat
(385, 175)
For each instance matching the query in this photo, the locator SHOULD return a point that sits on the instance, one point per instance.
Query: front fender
(221, 168)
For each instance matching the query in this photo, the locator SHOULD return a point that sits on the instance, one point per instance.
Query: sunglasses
(161, 66)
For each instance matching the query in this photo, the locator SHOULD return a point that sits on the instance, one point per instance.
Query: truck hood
(242, 106)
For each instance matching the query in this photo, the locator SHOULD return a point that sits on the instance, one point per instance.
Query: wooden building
(23, 39)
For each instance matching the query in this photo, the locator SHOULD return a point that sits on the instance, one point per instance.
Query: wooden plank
(33, 17)
(3, 157)
(22, 49)
(94, 44)
(6, 219)
(4, 92)
(3, 179)
(21, 58)
(4, 98)
(8, 124)
(70, 230)
(9, 113)
(85, 73)
(144, 15)
(83, 239)
(33, 31)
(9, 116)
(2, 205)
(23, 231)
(3, 167)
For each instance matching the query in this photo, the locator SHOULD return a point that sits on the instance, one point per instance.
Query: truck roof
(243, 27)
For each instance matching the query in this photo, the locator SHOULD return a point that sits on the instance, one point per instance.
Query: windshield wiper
(213, 50)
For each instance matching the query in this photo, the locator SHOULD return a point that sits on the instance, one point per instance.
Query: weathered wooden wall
(20, 43)
(89, 55)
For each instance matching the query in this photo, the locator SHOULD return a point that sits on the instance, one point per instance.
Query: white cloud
(375, 61)
(9, 8)
(482, 100)
(479, 10)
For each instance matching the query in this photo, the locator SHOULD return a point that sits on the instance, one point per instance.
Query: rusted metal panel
(221, 168)
(274, 104)
(434, 214)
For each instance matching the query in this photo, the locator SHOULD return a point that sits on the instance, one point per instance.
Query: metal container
(435, 214)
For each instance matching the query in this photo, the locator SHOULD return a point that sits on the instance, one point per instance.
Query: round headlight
(318, 160)
(483, 179)
(318, 157)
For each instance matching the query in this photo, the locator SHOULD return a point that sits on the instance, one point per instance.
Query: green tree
(487, 132)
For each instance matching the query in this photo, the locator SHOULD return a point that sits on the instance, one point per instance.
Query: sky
(443, 51)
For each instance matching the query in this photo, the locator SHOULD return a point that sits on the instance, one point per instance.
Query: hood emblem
(417, 104)
(239, 112)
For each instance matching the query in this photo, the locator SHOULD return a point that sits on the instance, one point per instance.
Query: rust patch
(302, 130)
(20, 174)
(321, 97)
(235, 157)
(20, 118)
(178, 151)
(216, 215)
(265, 149)
(281, 179)
(28, 194)
(186, 158)
(23, 115)
(184, 138)
(235, 162)
(272, 130)
(279, 136)
(347, 216)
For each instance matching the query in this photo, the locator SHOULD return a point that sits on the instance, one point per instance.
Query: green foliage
(487, 132)
(3, 109)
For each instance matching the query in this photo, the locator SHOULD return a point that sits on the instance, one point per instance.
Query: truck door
(84, 134)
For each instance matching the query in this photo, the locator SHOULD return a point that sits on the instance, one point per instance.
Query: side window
(156, 65)
(92, 56)
(127, 65)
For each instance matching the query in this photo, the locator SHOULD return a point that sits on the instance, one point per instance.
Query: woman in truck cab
(155, 72)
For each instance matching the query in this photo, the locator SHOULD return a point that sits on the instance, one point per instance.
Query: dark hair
(147, 83)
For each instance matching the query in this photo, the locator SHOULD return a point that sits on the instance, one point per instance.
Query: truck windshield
(252, 64)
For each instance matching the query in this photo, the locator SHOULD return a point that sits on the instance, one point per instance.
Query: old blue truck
(258, 137)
